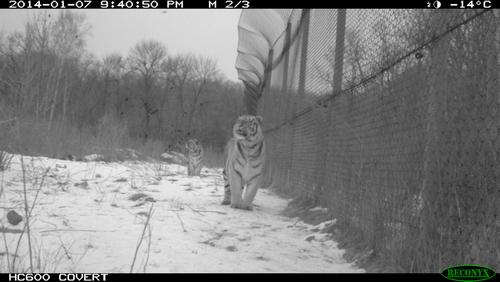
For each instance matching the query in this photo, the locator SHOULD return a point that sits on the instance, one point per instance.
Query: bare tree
(179, 70)
(39, 28)
(69, 31)
(205, 73)
(145, 59)
(52, 85)
(113, 68)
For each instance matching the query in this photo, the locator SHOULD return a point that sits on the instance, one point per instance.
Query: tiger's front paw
(236, 205)
(242, 207)
(225, 202)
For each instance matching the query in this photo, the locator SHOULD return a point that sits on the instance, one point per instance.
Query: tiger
(244, 158)
(194, 157)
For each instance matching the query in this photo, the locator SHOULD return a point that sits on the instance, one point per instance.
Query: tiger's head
(193, 146)
(248, 128)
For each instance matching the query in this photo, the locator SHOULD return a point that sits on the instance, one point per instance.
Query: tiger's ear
(259, 118)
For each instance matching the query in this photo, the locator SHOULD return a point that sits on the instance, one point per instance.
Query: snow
(90, 217)
(93, 157)
(318, 209)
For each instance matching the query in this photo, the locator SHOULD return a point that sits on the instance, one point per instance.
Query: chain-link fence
(390, 118)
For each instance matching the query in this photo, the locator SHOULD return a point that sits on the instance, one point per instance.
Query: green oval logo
(468, 272)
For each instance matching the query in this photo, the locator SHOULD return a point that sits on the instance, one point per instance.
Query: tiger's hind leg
(227, 190)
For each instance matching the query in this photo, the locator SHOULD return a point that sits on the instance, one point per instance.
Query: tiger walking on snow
(195, 157)
(244, 159)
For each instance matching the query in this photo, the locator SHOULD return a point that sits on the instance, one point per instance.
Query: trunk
(163, 100)
(54, 99)
(65, 102)
(192, 111)
(147, 108)
(179, 117)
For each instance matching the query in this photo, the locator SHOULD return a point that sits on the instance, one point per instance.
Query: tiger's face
(193, 146)
(248, 128)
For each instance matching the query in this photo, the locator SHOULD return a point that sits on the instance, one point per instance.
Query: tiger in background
(244, 158)
(194, 157)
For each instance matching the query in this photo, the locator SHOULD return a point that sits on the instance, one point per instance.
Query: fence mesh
(390, 118)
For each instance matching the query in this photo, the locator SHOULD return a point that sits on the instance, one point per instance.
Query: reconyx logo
(468, 272)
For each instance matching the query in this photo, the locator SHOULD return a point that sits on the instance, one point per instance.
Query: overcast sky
(212, 33)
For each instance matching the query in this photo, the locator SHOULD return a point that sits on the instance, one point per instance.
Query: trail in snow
(89, 217)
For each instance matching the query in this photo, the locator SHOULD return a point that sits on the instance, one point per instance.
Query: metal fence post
(302, 83)
(266, 87)
(266, 99)
(337, 89)
(284, 86)
(288, 35)
(303, 55)
(284, 100)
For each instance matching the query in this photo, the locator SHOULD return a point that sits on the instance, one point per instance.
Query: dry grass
(33, 179)
(29, 137)
(23, 251)
(5, 159)
(109, 139)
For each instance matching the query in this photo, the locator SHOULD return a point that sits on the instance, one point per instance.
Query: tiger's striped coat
(194, 156)
(244, 160)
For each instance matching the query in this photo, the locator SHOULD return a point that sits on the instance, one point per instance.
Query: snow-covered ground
(91, 217)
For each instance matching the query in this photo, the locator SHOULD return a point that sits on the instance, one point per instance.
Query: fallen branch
(66, 251)
(219, 212)
(69, 230)
(172, 210)
(200, 211)
(149, 249)
(142, 237)
(182, 223)
(196, 211)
